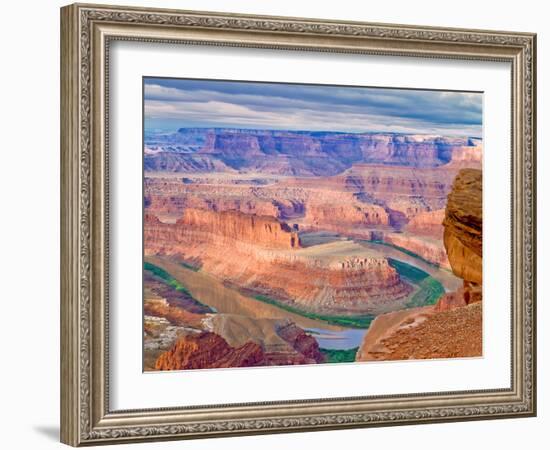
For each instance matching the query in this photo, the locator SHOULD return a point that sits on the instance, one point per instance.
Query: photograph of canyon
(289, 224)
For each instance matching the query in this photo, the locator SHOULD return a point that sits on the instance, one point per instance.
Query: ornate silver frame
(86, 32)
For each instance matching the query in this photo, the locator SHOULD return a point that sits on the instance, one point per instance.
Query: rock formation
(233, 225)
(283, 342)
(208, 350)
(468, 156)
(464, 226)
(424, 333)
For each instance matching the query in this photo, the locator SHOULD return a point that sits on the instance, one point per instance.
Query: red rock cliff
(208, 350)
(266, 231)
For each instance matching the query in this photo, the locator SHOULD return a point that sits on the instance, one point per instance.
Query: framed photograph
(276, 224)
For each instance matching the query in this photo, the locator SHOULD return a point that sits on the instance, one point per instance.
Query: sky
(171, 103)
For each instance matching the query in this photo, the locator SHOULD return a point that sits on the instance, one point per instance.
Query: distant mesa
(300, 153)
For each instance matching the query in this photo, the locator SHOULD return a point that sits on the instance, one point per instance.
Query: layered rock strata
(432, 250)
(294, 152)
(356, 202)
(428, 223)
(207, 351)
(264, 255)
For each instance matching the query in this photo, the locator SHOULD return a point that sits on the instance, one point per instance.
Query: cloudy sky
(170, 104)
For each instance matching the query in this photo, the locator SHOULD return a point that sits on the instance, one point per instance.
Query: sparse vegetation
(414, 255)
(428, 289)
(171, 281)
(408, 271)
(339, 356)
(408, 252)
(361, 321)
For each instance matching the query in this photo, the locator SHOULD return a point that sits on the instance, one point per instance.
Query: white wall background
(29, 223)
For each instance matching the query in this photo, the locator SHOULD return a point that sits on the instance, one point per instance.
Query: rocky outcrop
(468, 156)
(424, 333)
(220, 228)
(208, 350)
(303, 343)
(283, 342)
(464, 226)
(451, 300)
(176, 315)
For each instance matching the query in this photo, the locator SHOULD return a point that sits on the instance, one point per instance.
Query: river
(210, 291)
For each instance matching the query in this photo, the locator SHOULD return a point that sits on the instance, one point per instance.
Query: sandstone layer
(362, 199)
(208, 350)
(428, 223)
(432, 250)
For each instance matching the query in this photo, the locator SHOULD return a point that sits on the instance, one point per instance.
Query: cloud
(310, 107)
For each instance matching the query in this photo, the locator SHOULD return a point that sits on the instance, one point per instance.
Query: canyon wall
(432, 250)
(428, 223)
(362, 199)
(264, 255)
(266, 231)
(350, 218)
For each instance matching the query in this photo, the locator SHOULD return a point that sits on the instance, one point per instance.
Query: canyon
(268, 247)
(263, 255)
